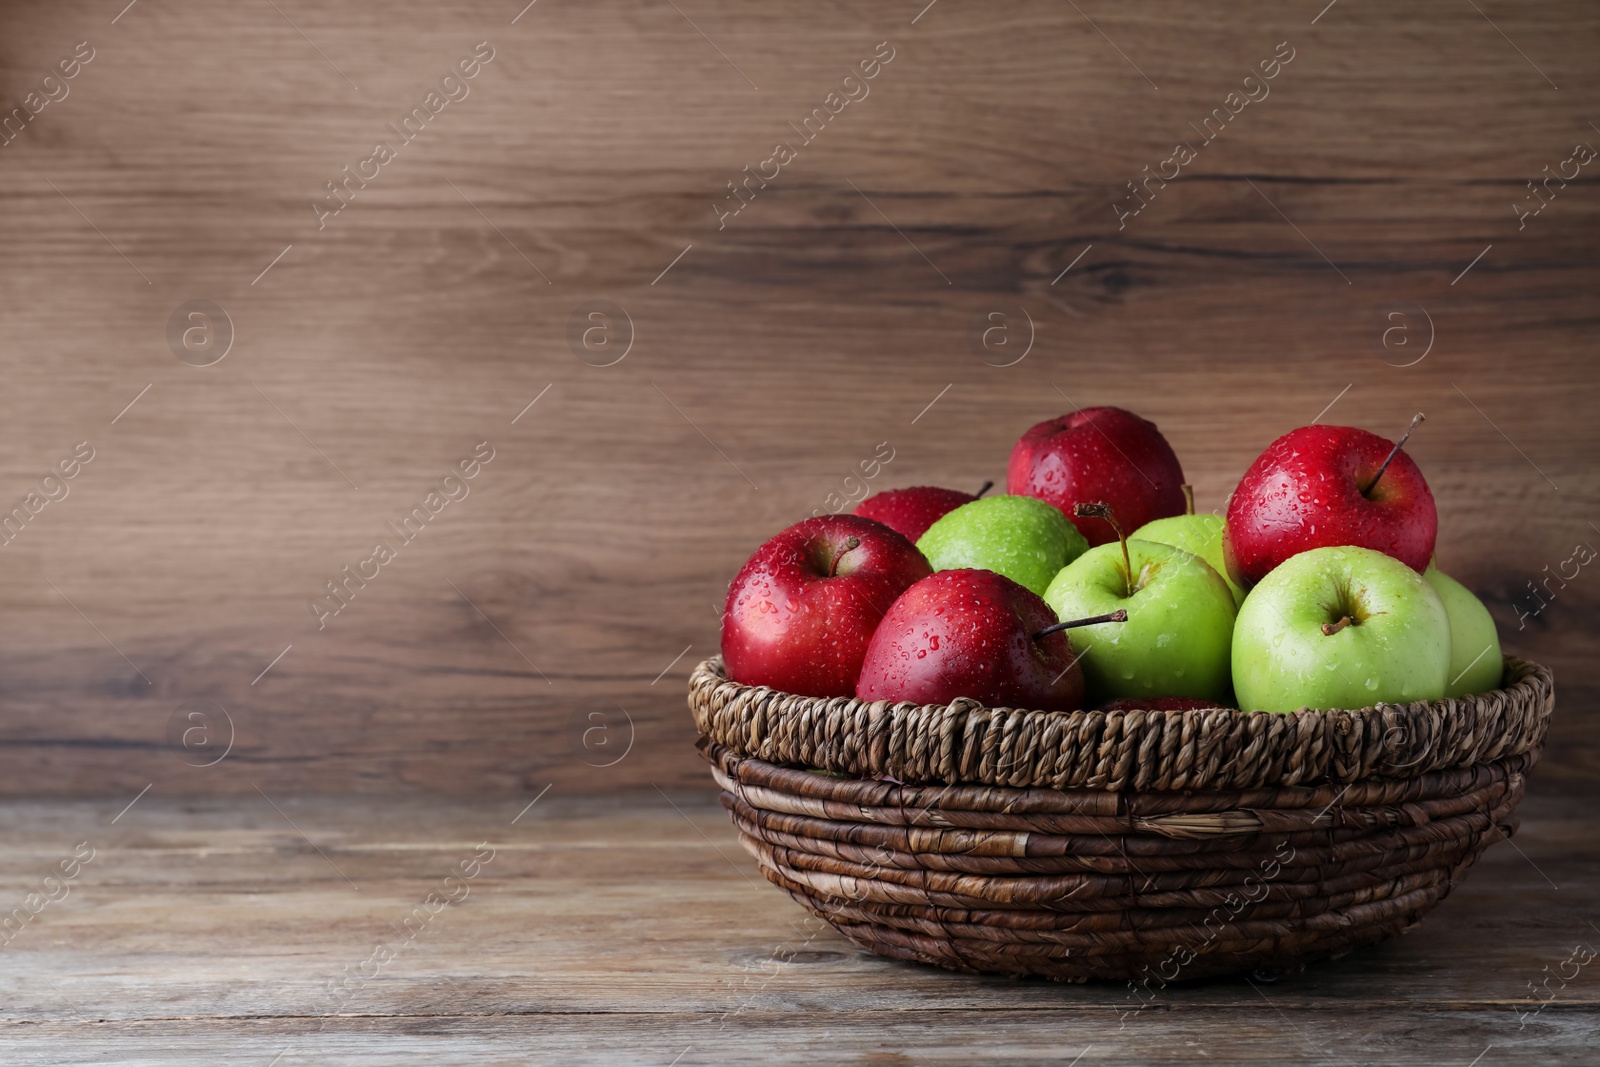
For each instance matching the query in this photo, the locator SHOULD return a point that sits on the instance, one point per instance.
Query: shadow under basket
(1119, 845)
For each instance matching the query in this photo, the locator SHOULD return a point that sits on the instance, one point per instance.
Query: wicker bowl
(1123, 845)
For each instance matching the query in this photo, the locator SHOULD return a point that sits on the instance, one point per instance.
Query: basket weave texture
(1141, 845)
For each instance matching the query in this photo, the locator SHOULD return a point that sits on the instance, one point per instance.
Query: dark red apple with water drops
(976, 634)
(910, 512)
(803, 608)
(1099, 454)
(1322, 486)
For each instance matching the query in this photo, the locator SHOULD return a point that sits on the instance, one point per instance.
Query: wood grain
(633, 930)
(775, 354)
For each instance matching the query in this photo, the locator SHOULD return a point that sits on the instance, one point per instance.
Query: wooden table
(633, 930)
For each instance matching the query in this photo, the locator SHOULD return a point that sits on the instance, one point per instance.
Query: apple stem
(986, 487)
(1416, 420)
(1102, 510)
(1331, 628)
(1188, 499)
(1120, 615)
(849, 546)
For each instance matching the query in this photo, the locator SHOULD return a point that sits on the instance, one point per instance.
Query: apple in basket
(1322, 486)
(1198, 535)
(977, 634)
(801, 610)
(1026, 540)
(1340, 627)
(1162, 704)
(1099, 454)
(1180, 617)
(1475, 661)
(909, 512)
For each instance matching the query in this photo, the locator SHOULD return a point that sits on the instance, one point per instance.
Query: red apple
(911, 511)
(1162, 704)
(971, 633)
(1099, 454)
(1314, 488)
(801, 610)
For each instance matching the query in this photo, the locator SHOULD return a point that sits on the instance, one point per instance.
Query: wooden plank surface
(634, 930)
(372, 354)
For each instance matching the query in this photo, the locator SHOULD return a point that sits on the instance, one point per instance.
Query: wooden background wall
(775, 353)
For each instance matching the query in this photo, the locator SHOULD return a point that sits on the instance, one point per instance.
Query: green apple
(1475, 664)
(1180, 621)
(1021, 537)
(1340, 628)
(1199, 535)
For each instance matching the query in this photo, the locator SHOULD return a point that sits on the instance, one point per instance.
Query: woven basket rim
(965, 742)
